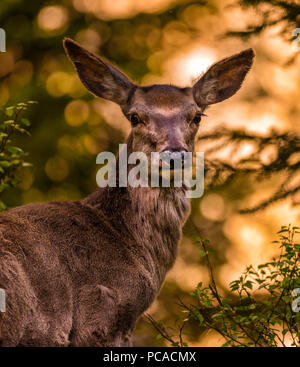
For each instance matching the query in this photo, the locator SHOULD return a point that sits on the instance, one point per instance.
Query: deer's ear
(99, 77)
(223, 79)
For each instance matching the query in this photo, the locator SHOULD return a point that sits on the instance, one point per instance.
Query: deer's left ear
(98, 76)
(223, 79)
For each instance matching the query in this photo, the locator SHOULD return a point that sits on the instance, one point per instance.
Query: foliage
(285, 163)
(259, 311)
(12, 157)
(284, 14)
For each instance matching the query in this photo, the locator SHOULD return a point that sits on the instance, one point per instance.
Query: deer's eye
(135, 119)
(197, 118)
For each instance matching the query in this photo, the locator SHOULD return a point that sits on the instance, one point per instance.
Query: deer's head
(164, 118)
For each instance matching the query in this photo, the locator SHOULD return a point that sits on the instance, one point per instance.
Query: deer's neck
(152, 216)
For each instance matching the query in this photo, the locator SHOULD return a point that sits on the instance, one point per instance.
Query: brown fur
(81, 273)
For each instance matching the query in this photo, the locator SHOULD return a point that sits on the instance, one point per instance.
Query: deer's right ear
(99, 77)
(223, 79)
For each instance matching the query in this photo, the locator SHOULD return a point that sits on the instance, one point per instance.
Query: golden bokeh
(212, 207)
(57, 168)
(52, 18)
(59, 83)
(77, 112)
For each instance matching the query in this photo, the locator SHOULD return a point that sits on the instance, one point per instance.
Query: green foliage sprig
(259, 311)
(12, 157)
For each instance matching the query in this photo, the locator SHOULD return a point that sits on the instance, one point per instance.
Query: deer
(81, 273)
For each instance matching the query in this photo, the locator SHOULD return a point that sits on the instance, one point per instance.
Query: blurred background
(250, 141)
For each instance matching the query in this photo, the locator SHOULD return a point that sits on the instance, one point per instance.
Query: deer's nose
(174, 154)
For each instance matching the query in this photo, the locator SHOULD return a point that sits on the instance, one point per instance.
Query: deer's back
(51, 254)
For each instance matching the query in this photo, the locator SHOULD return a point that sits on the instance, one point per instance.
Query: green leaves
(9, 111)
(258, 310)
(250, 318)
(12, 157)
